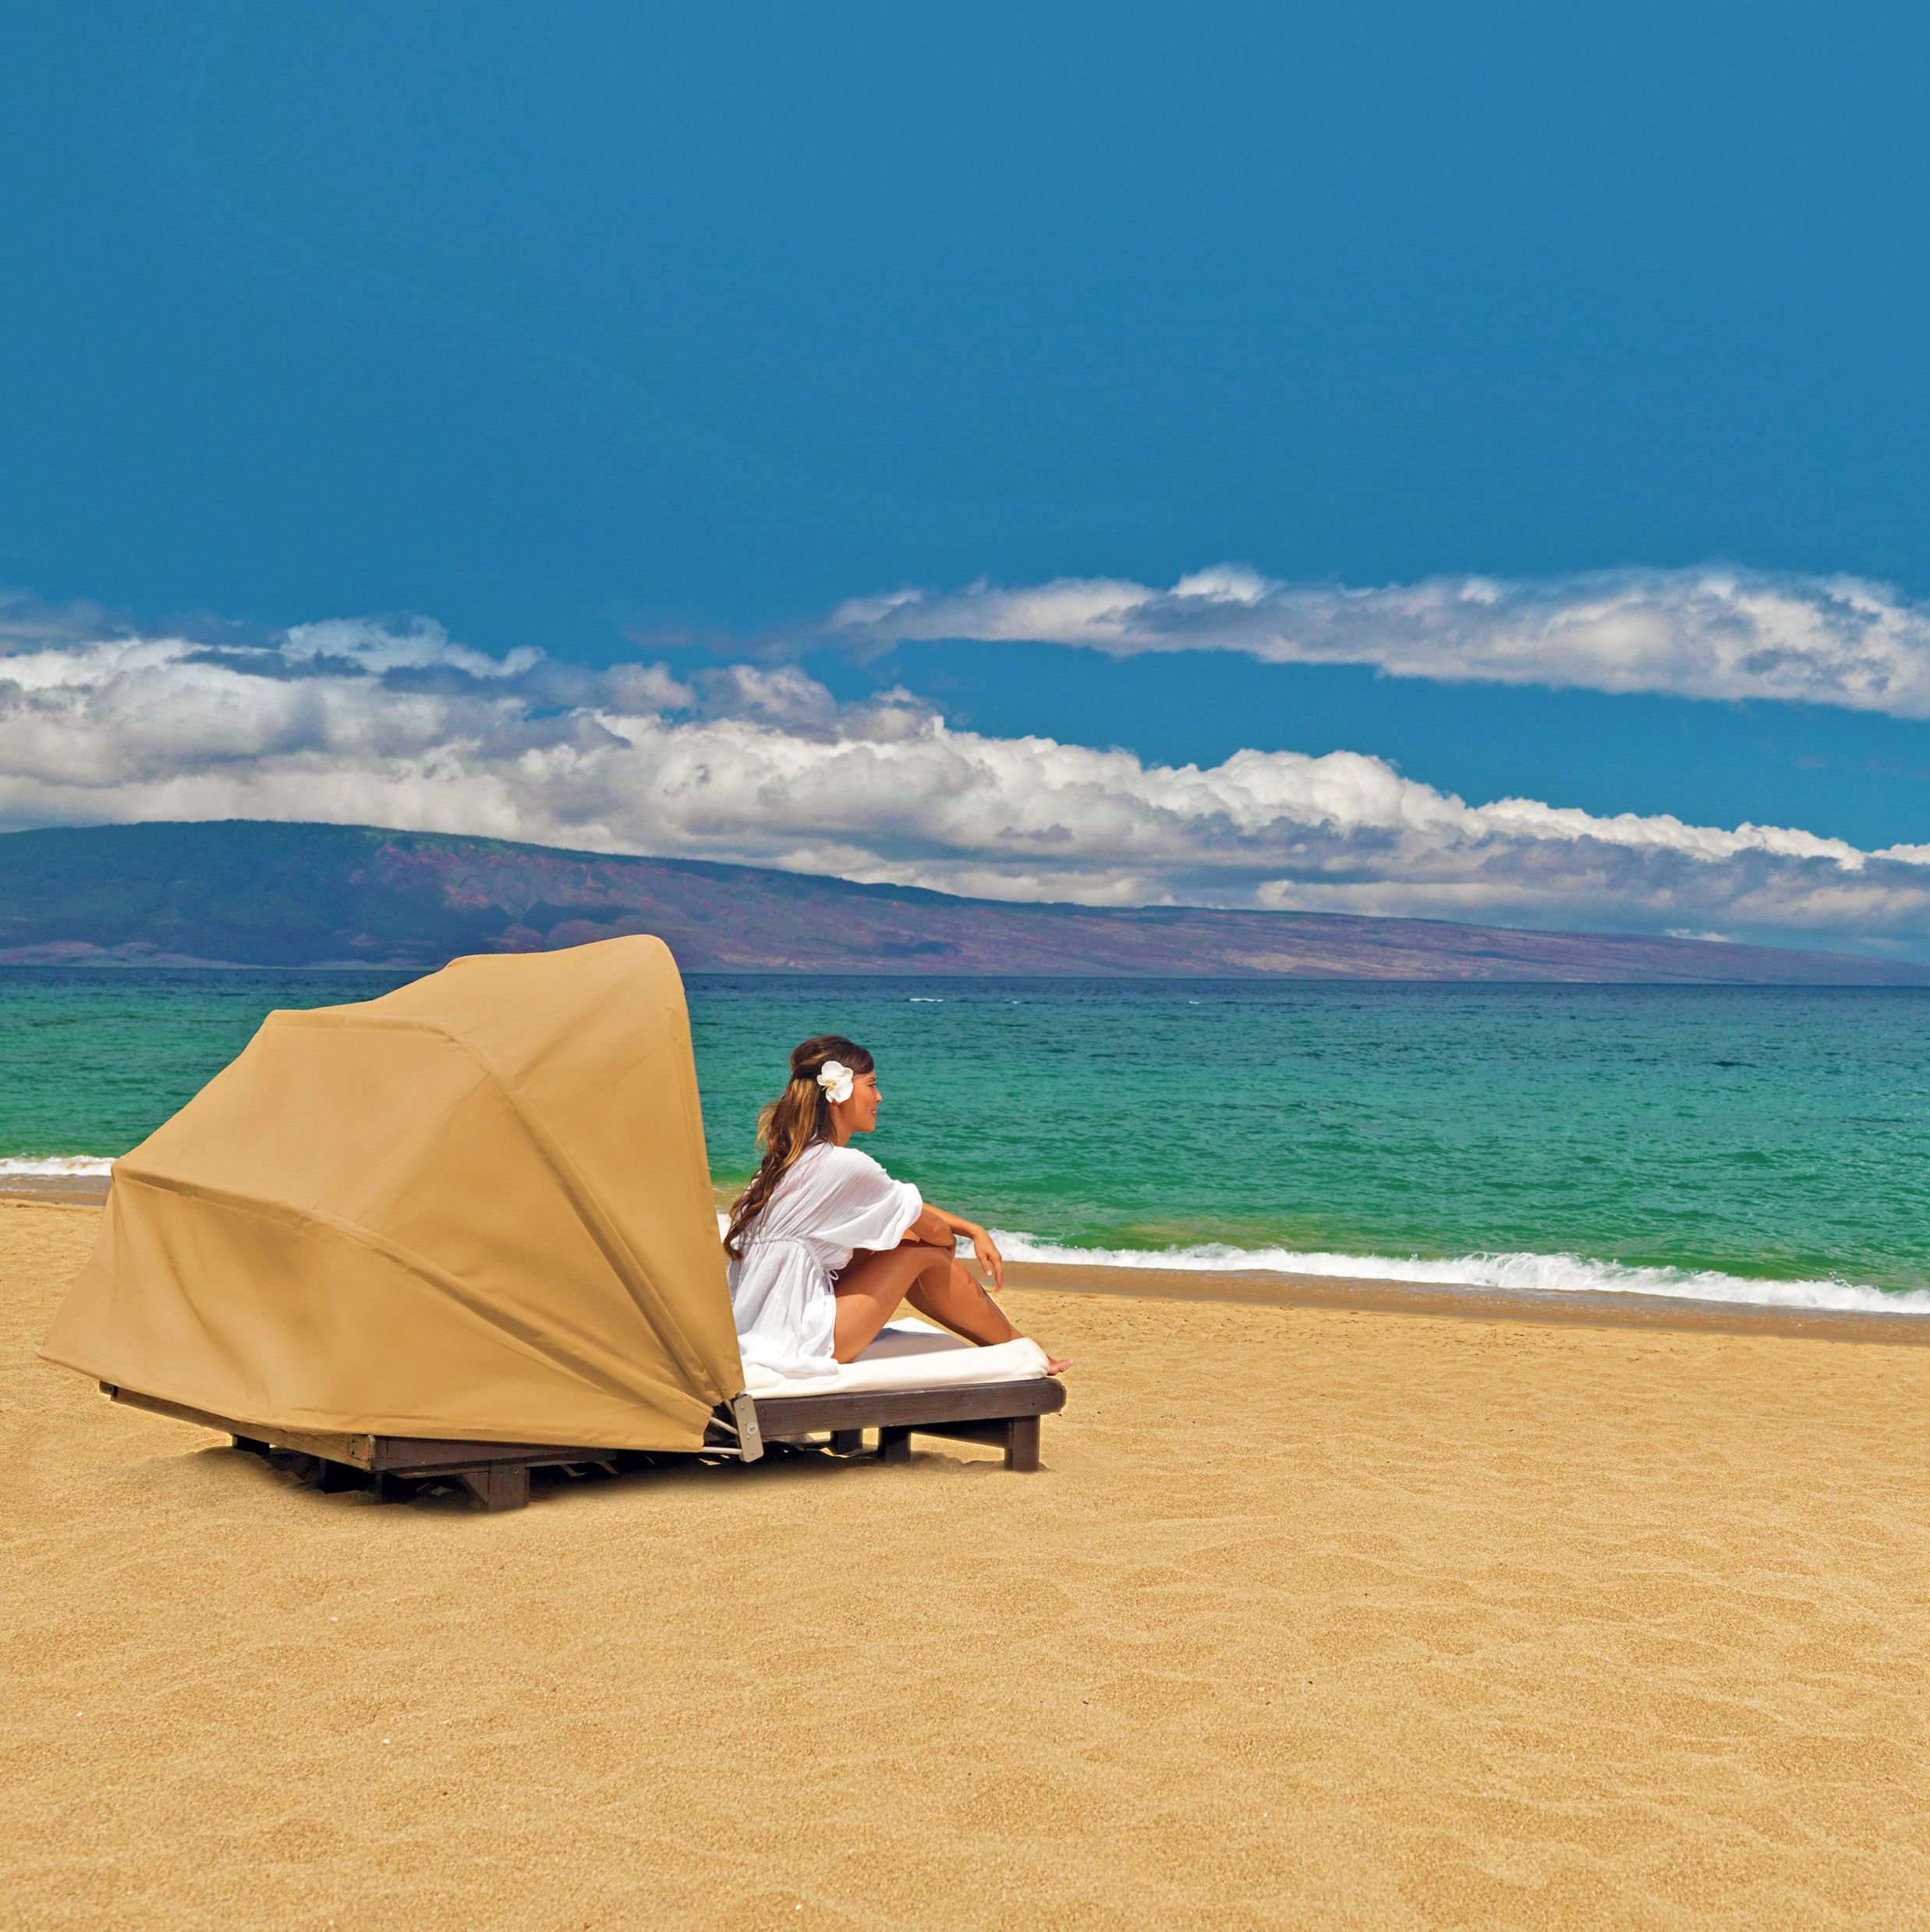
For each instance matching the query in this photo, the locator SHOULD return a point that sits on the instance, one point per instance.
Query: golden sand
(1316, 1617)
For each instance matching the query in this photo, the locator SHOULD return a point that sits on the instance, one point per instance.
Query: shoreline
(1348, 1294)
(71, 1190)
(1467, 1302)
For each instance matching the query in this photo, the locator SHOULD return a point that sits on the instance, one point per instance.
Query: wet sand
(60, 1190)
(1319, 1615)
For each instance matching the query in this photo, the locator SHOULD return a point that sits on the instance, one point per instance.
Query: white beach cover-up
(833, 1199)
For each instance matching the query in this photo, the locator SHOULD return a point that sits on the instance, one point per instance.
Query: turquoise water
(1707, 1141)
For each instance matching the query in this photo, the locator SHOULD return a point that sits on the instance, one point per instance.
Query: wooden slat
(399, 1455)
(330, 1448)
(428, 1455)
(782, 1416)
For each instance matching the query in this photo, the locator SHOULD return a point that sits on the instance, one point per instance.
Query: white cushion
(910, 1354)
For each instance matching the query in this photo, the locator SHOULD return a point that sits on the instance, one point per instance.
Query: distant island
(252, 892)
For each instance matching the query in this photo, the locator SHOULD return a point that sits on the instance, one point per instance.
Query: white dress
(832, 1200)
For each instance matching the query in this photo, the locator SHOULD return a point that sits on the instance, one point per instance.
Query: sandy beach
(1319, 1615)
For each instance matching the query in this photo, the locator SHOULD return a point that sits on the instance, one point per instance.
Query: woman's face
(859, 1114)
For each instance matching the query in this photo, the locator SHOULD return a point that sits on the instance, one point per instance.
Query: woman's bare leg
(963, 1304)
(956, 1301)
(931, 1278)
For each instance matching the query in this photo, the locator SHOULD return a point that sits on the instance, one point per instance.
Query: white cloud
(423, 645)
(1707, 633)
(413, 731)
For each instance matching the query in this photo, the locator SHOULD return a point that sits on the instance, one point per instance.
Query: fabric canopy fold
(477, 1207)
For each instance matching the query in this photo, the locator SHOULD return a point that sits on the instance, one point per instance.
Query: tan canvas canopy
(477, 1207)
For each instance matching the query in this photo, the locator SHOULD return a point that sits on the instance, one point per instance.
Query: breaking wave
(1542, 1274)
(25, 1165)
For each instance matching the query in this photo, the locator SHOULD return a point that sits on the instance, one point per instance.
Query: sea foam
(1545, 1274)
(43, 1164)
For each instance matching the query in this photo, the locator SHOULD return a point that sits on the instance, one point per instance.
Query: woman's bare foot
(1057, 1364)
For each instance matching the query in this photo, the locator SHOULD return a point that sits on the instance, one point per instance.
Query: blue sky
(667, 338)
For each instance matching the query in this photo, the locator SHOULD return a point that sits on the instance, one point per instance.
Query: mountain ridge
(244, 892)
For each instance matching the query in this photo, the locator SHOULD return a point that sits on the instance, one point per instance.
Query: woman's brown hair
(799, 1118)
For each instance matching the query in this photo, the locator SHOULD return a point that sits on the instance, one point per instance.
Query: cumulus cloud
(1707, 633)
(357, 723)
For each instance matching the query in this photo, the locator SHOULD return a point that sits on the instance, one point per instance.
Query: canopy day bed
(466, 1229)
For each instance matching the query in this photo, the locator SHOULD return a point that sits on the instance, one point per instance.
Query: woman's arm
(942, 1230)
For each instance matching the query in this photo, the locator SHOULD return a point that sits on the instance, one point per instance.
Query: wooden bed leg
(334, 1478)
(250, 1445)
(500, 1485)
(1021, 1443)
(895, 1445)
(847, 1441)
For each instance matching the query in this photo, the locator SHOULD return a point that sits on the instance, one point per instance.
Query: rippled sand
(1317, 1617)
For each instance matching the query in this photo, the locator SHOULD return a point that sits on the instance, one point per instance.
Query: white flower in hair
(835, 1077)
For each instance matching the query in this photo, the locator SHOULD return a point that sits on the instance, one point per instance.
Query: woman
(824, 1244)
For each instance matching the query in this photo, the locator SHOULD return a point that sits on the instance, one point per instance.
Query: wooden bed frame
(497, 1473)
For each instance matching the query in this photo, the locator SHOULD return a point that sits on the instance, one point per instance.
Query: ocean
(1741, 1143)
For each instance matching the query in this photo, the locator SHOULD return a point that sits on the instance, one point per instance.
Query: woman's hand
(942, 1229)
(985, 1249)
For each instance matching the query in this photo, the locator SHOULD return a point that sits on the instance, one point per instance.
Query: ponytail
(797, 1119)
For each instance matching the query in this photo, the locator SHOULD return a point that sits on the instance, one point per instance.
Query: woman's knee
(887, 1275)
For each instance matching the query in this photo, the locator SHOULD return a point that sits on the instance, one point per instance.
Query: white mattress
(910, 1354)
